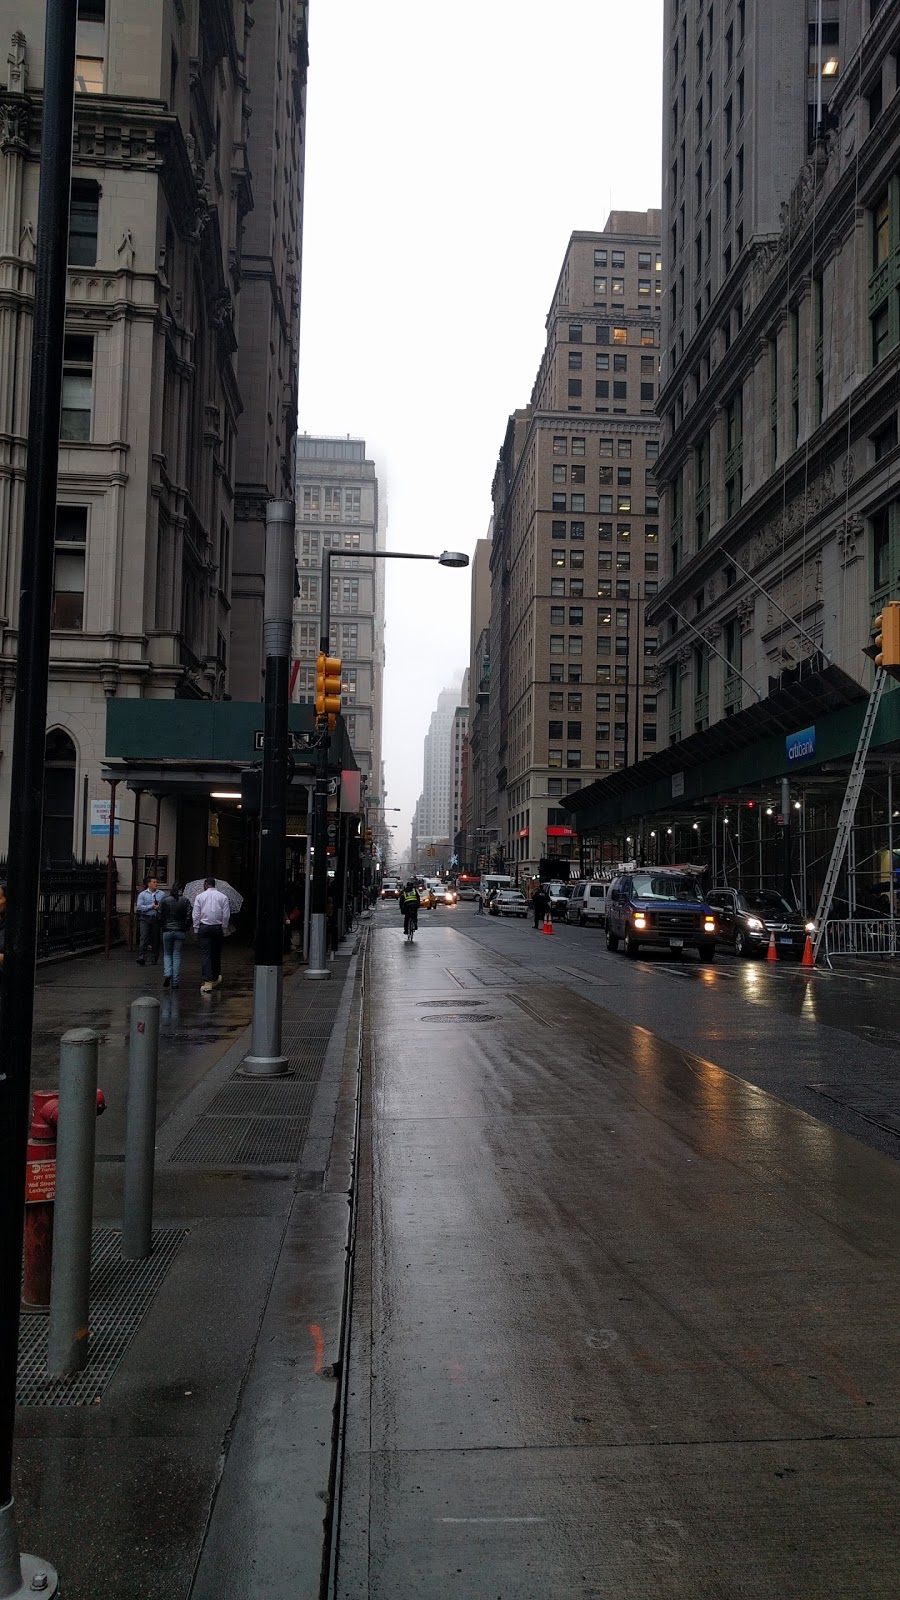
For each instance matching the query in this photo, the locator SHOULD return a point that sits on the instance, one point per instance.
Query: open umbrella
(235, 899)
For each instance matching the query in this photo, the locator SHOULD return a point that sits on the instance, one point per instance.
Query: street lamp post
(318, 967)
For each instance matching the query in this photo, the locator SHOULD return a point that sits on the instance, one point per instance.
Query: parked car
(468, 885)
(663, 908)
(587, 903)
(559, 898)
(747, 917)
(390, 888)
(508, 903)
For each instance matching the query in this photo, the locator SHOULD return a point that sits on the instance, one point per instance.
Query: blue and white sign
(100, 818)
(800, 746)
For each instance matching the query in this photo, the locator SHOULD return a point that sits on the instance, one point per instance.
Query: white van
(587, 903)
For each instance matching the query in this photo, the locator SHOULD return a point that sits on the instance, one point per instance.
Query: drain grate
(251, 1124)
(121, 1292)
(282, 1097)
(456, 1004)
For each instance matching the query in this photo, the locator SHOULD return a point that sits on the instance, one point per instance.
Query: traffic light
(328, 686)
(886, 629)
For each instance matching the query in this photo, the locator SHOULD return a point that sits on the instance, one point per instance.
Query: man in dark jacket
(540, 904)
(174, 921)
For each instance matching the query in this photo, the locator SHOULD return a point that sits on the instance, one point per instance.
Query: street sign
(296, 741)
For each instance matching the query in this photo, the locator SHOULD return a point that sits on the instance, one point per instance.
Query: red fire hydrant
(40, 1190)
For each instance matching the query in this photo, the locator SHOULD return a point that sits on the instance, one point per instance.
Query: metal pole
(265, 1059)
(110, 859)
(35, 582)
(134, 867)
(308, 870)
(140, 1129)
(67, 1343)
(787, 887)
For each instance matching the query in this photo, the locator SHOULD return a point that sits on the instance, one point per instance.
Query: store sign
(560, 833)
(677, 785)
(100, 817)
(800, 746)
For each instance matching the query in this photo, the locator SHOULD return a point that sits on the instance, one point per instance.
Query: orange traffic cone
(548, 923)
(771, 953)
(808, 958)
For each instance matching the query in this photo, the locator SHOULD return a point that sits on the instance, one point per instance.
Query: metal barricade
(874, 937)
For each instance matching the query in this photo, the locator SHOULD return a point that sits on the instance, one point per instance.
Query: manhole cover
(456, 1004)
(462, 1016)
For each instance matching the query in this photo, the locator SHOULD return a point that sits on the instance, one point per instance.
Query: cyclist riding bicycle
(409, 906)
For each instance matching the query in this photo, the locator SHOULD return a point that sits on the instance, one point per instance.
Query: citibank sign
(800, 746)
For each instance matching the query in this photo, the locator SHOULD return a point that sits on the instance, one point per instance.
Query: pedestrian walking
(212, 914)
(148, 904)
(540, 904)
(174, 921)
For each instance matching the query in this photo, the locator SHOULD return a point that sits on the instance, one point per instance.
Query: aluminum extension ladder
(848, 810)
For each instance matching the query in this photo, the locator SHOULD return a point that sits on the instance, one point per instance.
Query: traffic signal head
(328, 685)
(886, 628)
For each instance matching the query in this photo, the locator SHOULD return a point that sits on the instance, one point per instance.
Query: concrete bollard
(67, 1344)
(140, 1129)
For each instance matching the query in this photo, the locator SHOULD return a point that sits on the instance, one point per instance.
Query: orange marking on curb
(319, 1342)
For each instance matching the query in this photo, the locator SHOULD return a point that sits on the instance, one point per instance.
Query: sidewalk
(194, 1456)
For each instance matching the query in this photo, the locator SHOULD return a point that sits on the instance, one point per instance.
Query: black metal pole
(265, 1058)
(33, 650)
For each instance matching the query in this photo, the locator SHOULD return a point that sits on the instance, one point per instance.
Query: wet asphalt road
(625, 1287)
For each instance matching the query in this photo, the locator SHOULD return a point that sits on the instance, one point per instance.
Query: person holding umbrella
(212, 914)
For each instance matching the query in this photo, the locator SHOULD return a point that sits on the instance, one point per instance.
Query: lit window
(88, 74)
(620, 336)
(643, 285)
(599, 286)
(554, 758)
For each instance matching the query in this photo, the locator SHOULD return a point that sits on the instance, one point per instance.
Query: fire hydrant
(40, 1190)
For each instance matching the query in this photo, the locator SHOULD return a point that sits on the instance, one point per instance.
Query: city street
(625, 1270)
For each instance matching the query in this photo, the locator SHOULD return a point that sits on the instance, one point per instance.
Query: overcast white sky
(451, 152)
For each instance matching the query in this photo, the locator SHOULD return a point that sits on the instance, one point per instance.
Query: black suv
(652, 906)
(748, 917)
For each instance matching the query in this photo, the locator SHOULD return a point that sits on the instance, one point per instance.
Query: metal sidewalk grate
(121, 1292)
(251, 1124)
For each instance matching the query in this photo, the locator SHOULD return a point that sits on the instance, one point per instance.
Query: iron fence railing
(72, 907)
(862, 936)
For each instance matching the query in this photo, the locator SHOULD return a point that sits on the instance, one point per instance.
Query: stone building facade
(781, 351)
(162, 415)
(339, 509)
(574, 552)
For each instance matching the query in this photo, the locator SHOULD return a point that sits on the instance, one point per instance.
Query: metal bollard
(140, 1129)
(67, 1344)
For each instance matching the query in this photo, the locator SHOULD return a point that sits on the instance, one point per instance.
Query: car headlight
(709, 924)
(640, 921)
(810, 927)
(755, 924)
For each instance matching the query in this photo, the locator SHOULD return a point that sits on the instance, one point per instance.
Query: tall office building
(436, 814)
(459, 733)
(170, 388)
(779, 446)
(339, 509)
(574, 552)
(479, 702)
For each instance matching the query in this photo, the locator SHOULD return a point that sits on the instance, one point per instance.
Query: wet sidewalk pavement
(623, 1325)
(193, 1457)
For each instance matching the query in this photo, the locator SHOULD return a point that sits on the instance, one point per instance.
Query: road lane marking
(457, 1520)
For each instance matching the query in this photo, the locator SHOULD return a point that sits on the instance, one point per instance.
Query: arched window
(59, 797)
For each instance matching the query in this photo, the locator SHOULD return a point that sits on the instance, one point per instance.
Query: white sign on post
(100, 818)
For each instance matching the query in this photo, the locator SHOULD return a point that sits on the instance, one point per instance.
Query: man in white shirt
(212, 914)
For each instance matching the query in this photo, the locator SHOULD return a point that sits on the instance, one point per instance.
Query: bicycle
(410, 924)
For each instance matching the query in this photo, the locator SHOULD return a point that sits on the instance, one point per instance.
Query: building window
(606, 505)
(557, 530)
(578, 444)
(575, 332)
(606, 447)
(88, 74)
(620, 336)
(557, 644)
(620, 363)
(623, 502)
(734, 447)
(647, 391)
(601, 361)
(623, 476)
(554, 729)
(600, 258)
(601, 389)
(578, 474)
(880, 335)
(558, 501)
(559, 474)
(558, 585)
(560, 444)
(84, 210)
(574, 704)
(554, 786)
(77, 383)
(576, 616)
(574, 388)
(557, 616)
(599, 286)
(574, 360)
(573, 758)
(576, 502)
(555, 703)
(554, 758)
(702, 491)
(576, 529)
(885, 439)
(651, 505)
(620, 390)
(606, 475)
(576, 557)
(69, 562)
